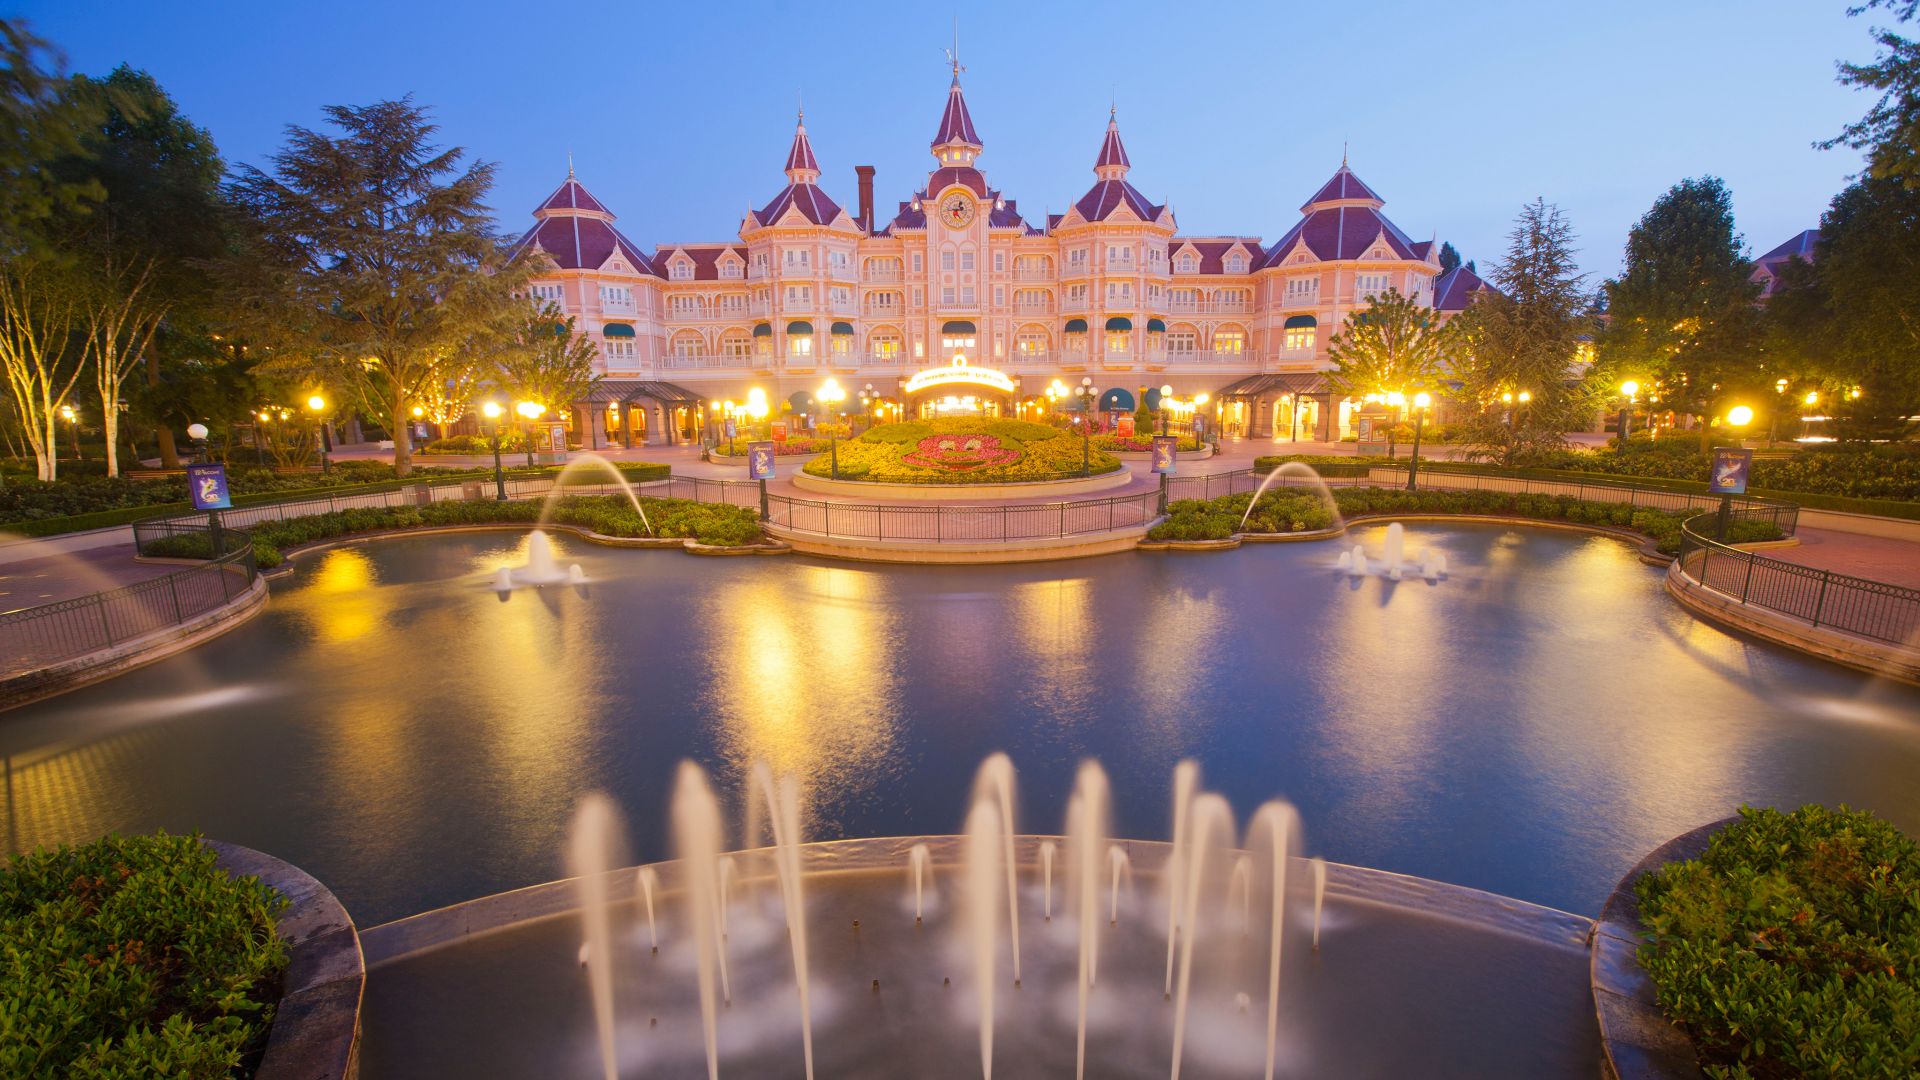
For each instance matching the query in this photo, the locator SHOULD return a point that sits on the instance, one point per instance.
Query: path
(62, 575)
(1879, 558)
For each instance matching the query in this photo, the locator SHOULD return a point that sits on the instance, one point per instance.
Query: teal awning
(1076, 326)
(1296, 322)
(1119, 322)
(762, 330)
(618, 329)
(1116, 400)
(799, 326)
(1153, 398)
(801, 401)
(843, 328)
(1156, 326)
(958, 326)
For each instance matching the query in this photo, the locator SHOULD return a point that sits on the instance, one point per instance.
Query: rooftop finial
(569, 164)
(953, 54)
(800, 103)
(1343, 155)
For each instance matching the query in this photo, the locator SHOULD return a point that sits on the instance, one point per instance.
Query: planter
(867, 489)
(316, 1026)
(1640, 1042)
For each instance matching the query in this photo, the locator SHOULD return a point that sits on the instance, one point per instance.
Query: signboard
(730, 429)
(779, 431)
(1125, 429)
(1366, 429)
(557, 438)
(760, 460)
(208, 486)
(1730, 468)
(1164, 447)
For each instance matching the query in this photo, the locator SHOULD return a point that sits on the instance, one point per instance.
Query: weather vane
(953, 54)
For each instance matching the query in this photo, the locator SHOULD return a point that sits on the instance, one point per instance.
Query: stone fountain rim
(1639, 1041)
(414, 935)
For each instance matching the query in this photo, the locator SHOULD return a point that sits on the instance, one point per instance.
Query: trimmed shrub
(1792, 947)
(135, 956)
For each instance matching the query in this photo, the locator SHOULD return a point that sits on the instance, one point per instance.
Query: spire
(956, 142)
(1112, 163)
(801, 166)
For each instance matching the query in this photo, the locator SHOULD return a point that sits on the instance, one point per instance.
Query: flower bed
(135, 956)
(789, 448)
(1140, 444)
(1792, 947)
(1296, 511)
(964, 451)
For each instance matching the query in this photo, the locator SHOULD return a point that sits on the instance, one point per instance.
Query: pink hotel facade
(1109, 290)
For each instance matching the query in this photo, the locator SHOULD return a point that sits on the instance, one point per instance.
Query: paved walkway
(1879, 558)
(62, 575)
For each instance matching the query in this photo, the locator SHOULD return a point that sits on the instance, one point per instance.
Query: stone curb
(1836, 646)
(1640, 1042)
(316, 1026)
(687, 544)
(1648, 553)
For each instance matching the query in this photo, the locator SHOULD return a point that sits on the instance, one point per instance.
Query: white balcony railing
(1032, 307)
(1208, 356)
(1210, 307)
(616, 307)
(884, 277)
(1029, 273)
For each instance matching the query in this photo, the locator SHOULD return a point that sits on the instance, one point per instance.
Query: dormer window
(1186, 263)
(682, 270)
(1236, 264)
(730, 269)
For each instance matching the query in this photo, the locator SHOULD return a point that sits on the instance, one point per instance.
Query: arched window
(688, 344)
(1298, 334)
(1032, 342)
(735, 344)
(1229, 340)
(883, 344)
(1186, 262)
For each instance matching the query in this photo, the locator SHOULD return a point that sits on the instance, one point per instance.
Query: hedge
(635, 472)
(135, 956)
(1792, 947)
(1298, 511)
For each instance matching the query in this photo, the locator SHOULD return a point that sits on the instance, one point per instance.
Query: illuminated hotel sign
(958, 373)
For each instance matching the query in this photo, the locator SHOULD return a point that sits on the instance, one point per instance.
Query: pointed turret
(1112, 163)
(1343, 188)
(801, 167)
(956, 143)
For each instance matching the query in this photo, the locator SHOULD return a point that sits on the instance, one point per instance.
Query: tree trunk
(163, 433)
(402, 446)
(1706, 436)
(110, 430)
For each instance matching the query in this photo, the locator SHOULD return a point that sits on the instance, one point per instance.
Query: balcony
(760, 309)
(1203, 357)
(1033, 307)
(1030, 273)
(883, 277)
(1210, 307)
(708, 362)
(1070, 304)
(616, 307)
(843, 307)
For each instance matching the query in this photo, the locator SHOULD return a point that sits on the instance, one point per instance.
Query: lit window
(1119, 341)
(885, 345)
(1230, 342)
(1298, 339)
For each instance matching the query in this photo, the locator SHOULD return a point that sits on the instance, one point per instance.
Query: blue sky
(679, 115)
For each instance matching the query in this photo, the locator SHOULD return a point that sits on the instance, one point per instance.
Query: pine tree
(1522, 338)
(390, 258)
(1449, 256)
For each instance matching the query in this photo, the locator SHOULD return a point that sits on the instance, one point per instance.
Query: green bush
(135, 957)
(1139, 444)
(1792, 947)
(511, 442)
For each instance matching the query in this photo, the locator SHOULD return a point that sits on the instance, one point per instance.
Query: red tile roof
(812, 203)
(956, 124)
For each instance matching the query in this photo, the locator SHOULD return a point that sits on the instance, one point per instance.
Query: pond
(1530, 725)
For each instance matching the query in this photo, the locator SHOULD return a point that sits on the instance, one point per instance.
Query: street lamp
(1627, 390)
(1085, 393)
(830, 395)
(1199, 402)
(317, 405)
(492, 410)
(532, 410)
(1740, 416)
(73, 424)
(1420, 403)
(1166, 405)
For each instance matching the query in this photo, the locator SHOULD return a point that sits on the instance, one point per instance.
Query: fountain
(697, 834)
(918, 858)
(1319, 895)
(540, 569)
(983, 874)
(1087, 813)
(1046, 875)
(995, 780)
(591, 857)
(596, 462)
(1186, 778)
(1279, 821)
(1301, 469)
(1393, 563)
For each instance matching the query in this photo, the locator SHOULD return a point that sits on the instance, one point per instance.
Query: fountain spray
(697, 834)
(1186, 778)
(983, 872)
(1280, 823)
(995, 780)
(595, 827)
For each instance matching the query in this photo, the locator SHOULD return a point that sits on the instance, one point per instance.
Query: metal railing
(1822, 598)
(939, 523)
(35, 637)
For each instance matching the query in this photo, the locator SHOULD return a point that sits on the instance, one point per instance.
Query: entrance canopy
(623, 390)
(961, 376)
(1292, 382)
(1116, 400)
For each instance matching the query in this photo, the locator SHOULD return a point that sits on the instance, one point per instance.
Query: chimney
(865, 173)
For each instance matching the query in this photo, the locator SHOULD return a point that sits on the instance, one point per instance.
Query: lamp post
(1811, 400)
(1085, 393)
(1420, 403)
(830, 395)
(73, 426)
(1628, 390)
(1200, 418)
(492, 410)
(317, 405)
(1166, 406)
(532, 410)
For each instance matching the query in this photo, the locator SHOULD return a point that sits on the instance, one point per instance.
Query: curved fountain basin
(1413, 977)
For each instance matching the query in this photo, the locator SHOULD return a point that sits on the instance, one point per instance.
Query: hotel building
(958, 301)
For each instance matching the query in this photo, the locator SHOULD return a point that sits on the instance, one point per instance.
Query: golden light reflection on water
(804, 670)
(340, 600)
(1052, 621)
(1170, 685)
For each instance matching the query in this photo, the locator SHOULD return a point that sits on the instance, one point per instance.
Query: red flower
(960, 453)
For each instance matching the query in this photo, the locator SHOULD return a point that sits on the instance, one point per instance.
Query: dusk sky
(678, 116)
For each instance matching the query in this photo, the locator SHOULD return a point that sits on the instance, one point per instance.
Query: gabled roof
(1344, 185)
(1422, 249)
(706, 258)
(1106, 196)
(1342, 232)
(583, 243)
(571, 195)
(1802, 244)
(956, 124)
(1212, 251)
(812, 203)
(1455, 289)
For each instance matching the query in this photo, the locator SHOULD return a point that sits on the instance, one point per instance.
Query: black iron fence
(35, 637)
(1870, 609)
(939, 523)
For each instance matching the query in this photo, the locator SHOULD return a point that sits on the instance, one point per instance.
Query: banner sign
(208, 486)
(1366, 429)
(1125, 428)
(731, 432)
(779, 431)
(1730, 468)
(760, 461)
(1164, 448)
(557, 438)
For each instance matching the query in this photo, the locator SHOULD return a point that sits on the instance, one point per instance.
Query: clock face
(957, 210)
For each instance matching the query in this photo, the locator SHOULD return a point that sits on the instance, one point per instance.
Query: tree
(1523, 337)
(1389, 349)
(39, 122)
(1682, 313)
(37, 353)
(392, 261)
(1890, 132)
(544, 361)
(1449, 256)
(138, 254)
